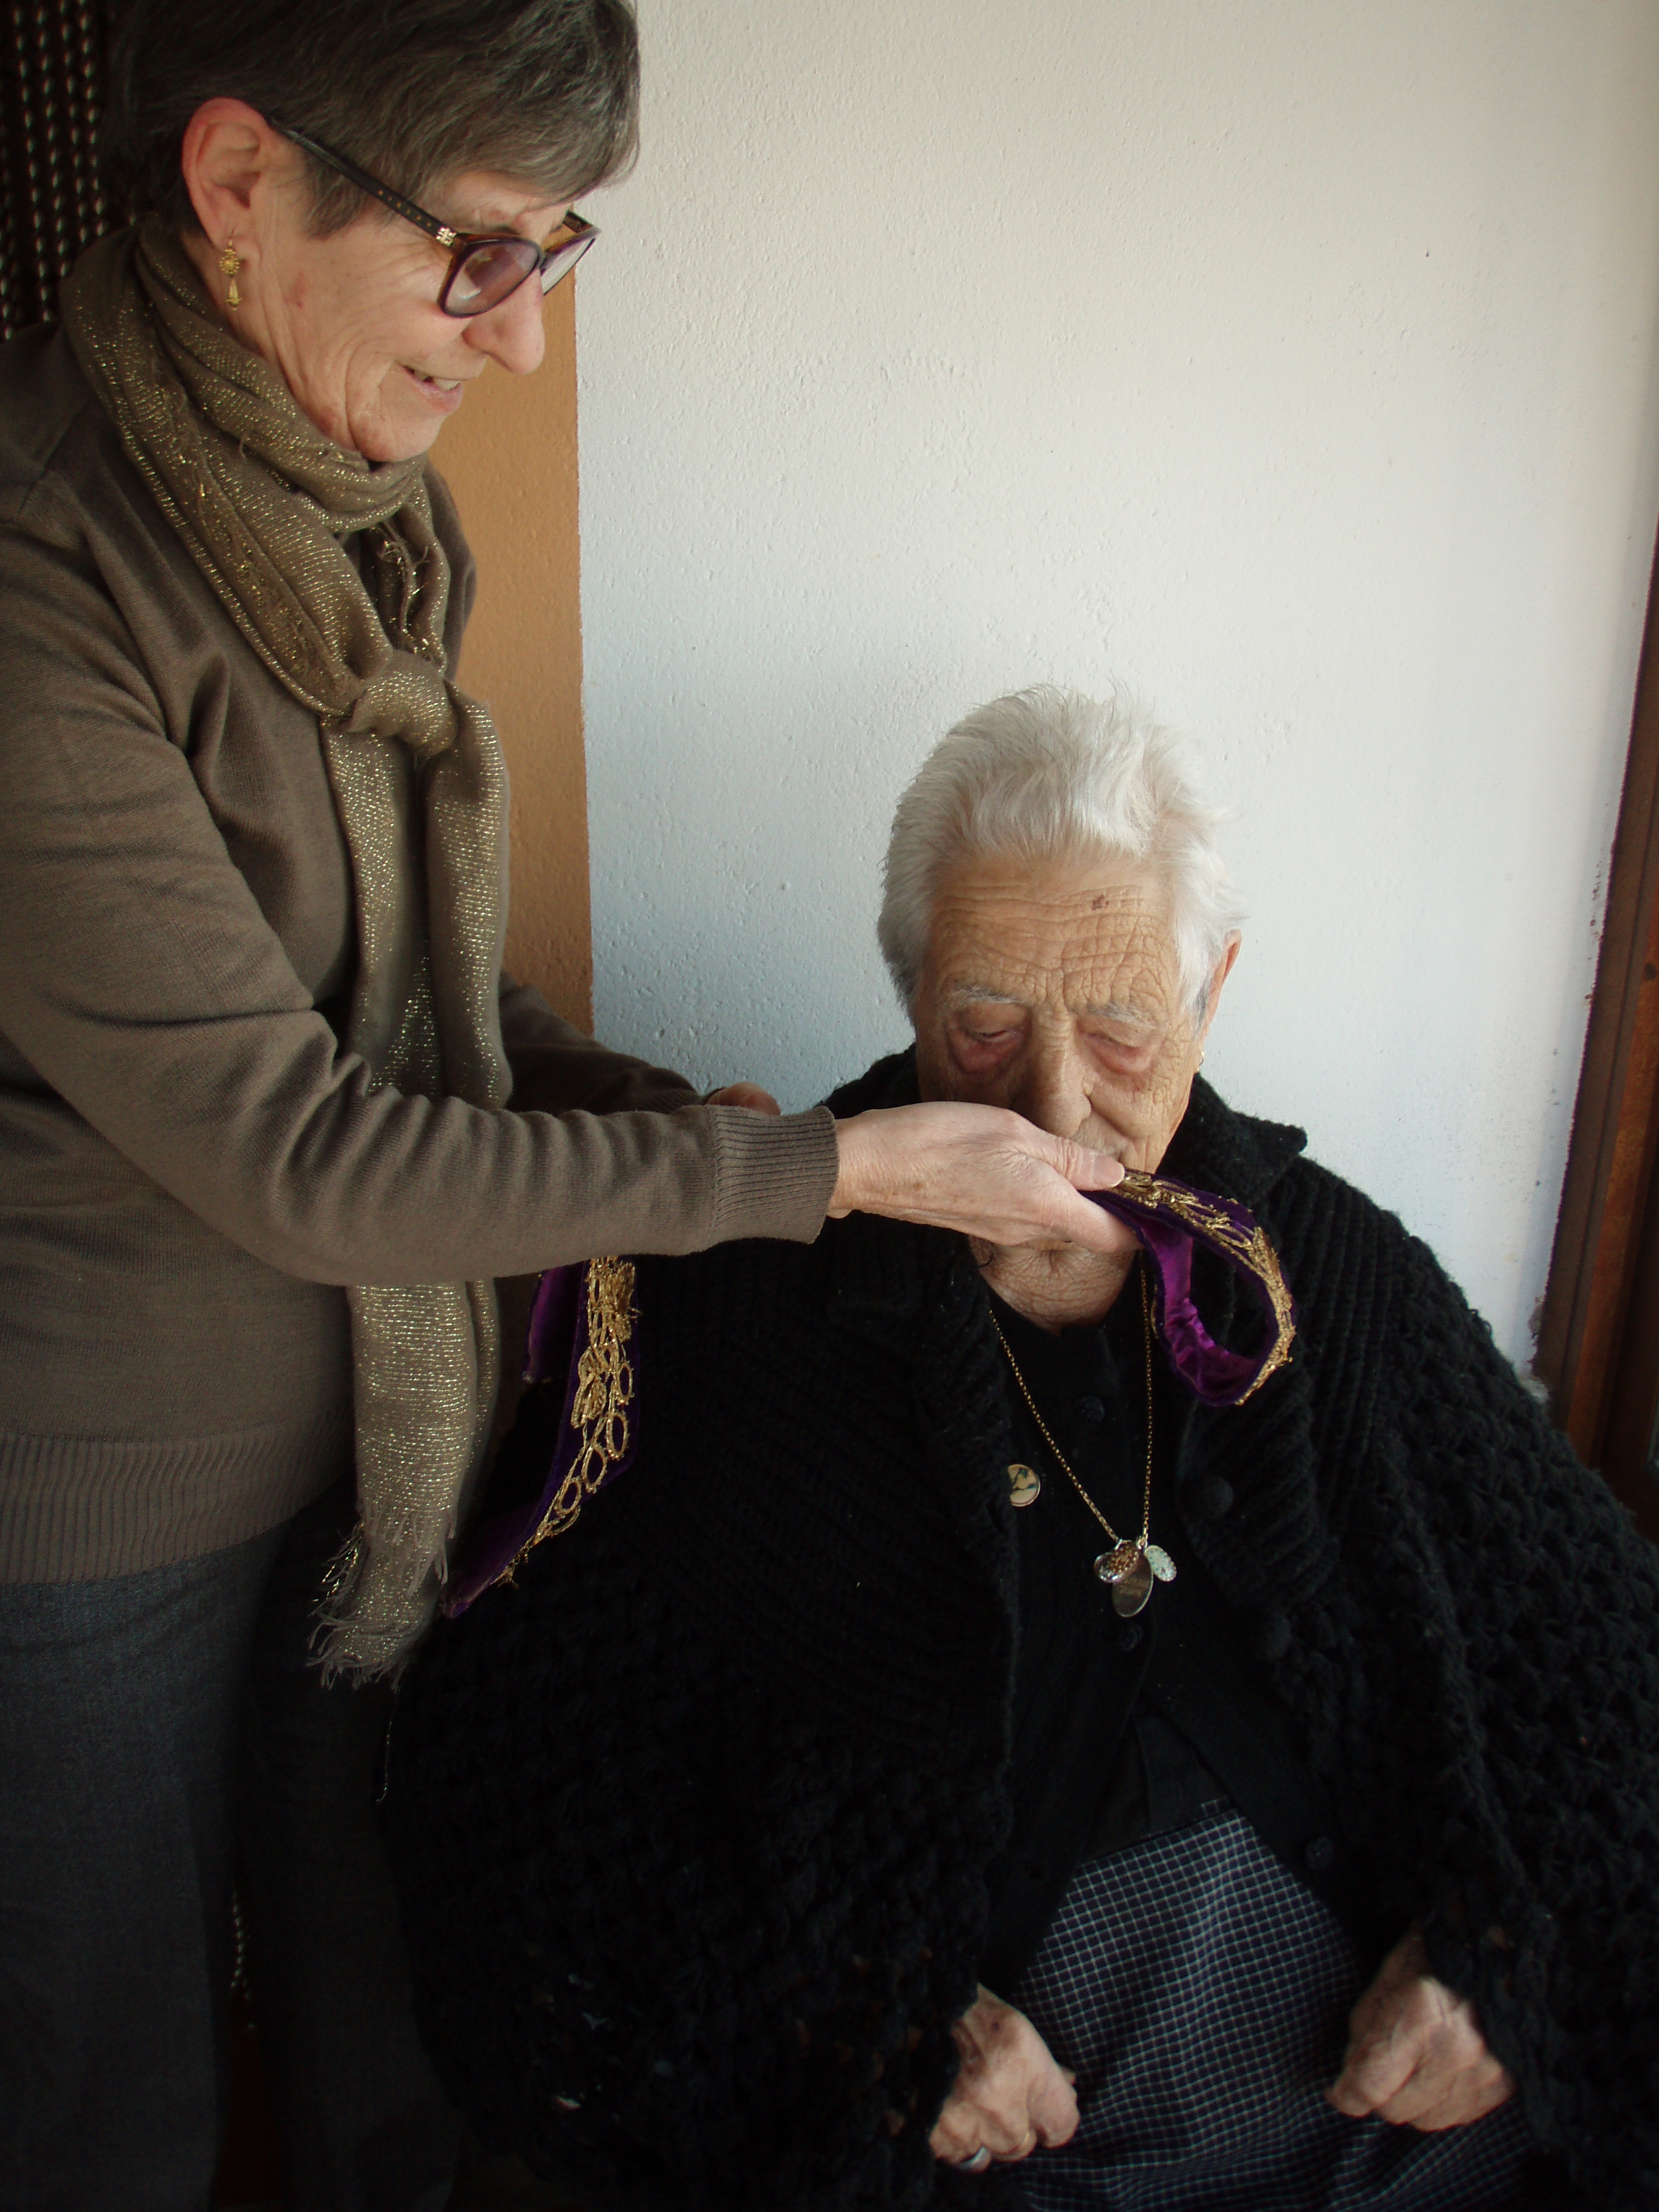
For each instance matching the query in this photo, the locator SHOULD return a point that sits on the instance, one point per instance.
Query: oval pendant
(1025, 1486)
(1160, 1562)
(1112, 1567)
(1131, 1591)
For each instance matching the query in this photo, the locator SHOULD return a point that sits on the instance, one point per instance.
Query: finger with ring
(976, 2164)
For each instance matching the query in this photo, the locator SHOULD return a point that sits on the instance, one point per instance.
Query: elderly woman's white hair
(1049, 775)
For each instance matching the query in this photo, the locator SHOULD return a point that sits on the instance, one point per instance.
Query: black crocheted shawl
(692, 1825)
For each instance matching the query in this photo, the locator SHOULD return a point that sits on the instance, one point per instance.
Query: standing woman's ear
(236, 170)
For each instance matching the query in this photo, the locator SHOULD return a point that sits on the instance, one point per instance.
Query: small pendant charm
(1024, 1484)
(1112, 1567)
(1160, 1562)
(1131, 1591)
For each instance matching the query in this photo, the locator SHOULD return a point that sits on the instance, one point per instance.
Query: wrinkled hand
(1010, 2095)
(980, 1169)
(1416, 2055)
(744, 1094)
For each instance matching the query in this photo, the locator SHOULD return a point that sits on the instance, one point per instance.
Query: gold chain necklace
(1133, 1562)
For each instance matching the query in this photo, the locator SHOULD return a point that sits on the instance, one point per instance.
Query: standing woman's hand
(980, 1169)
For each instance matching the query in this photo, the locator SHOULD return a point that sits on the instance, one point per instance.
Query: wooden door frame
(1605, 1198)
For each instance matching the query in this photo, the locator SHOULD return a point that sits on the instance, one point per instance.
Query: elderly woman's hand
(1010, 2095)
(1416, 2055)
(744, 1094)
(980, 1169)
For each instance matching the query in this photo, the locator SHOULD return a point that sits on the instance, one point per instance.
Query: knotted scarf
(262, 501)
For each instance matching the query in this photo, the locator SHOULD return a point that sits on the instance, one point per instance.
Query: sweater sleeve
(142, 983)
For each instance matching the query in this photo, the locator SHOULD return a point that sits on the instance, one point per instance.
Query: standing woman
(272, 1119)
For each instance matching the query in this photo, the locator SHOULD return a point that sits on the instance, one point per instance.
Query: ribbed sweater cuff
(776, 1175)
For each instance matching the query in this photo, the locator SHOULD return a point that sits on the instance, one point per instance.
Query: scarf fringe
(378, 1601)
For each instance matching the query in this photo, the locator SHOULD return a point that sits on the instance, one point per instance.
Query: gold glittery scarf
(263, 500)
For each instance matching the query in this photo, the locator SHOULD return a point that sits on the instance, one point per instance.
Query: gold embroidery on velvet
(599, 1412)
(1248, 1248)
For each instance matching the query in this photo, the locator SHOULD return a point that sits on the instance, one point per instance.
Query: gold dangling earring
(230, 262)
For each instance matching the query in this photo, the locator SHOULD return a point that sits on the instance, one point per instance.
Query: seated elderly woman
(992, 1724)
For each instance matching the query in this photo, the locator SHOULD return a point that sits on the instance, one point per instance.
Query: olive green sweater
(192, 1165)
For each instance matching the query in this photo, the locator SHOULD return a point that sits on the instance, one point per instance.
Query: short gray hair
(545, 92)
(1049, 775)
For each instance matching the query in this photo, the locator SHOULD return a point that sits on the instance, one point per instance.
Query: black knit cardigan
(692, 1825)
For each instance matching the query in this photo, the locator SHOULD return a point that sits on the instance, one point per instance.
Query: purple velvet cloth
(556, 1341)
(1212, 1374)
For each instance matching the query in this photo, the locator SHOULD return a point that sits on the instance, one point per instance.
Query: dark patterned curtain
(51, 199)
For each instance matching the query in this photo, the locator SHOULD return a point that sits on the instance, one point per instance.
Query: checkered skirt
(1201, 1993)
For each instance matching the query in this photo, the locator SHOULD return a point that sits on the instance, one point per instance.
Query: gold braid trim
(1248, 1248)
(604, 1392)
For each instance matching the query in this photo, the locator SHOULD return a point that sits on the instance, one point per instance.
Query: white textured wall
(1293, 361)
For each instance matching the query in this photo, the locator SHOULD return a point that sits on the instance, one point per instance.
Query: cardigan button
(1213, 1498)
(1129, 1635)
(1320, 1853)
(1268, 1634)
(1091, 1409)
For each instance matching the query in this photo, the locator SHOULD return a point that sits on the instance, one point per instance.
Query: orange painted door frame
(509, 457)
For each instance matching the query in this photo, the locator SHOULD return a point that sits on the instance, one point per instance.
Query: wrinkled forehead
(1093, 936)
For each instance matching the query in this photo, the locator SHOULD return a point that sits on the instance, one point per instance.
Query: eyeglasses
(485, 267)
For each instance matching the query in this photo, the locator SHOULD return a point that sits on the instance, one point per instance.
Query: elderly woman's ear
(1219, 975)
